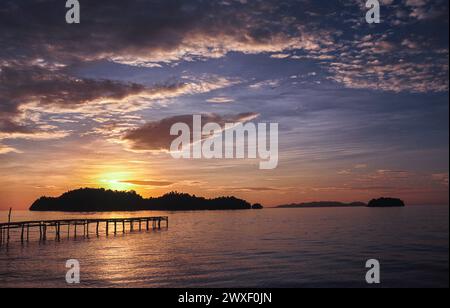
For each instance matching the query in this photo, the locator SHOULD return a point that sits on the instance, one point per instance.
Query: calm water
(268, 248)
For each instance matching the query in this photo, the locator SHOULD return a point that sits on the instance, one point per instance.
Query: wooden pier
(60, 228)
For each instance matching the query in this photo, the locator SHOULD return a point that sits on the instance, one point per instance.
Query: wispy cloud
(220, 100)
(148, 183)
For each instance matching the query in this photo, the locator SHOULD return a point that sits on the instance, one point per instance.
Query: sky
(362, 108)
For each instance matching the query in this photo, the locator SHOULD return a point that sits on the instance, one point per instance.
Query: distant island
(322, 204)
(101, 200)
(381, 202)
(386, 202)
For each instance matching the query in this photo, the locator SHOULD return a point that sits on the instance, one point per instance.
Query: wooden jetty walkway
(65, 226)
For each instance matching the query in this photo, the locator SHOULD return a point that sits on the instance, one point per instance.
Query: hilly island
(101, 200)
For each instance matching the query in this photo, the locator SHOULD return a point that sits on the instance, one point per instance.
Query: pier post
(9, 221)
(58, 226)
(28, 232)
(22, 233)
(140, 225)
(115, 227)
(123, 226)
(96, 229)
(131, 225)
(87, 229)
(75, 230)
(107, 228)
(147, 224)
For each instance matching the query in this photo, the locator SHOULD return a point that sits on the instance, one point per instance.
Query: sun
(115, 180)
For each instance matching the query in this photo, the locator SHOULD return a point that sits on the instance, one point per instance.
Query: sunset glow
(362, 111)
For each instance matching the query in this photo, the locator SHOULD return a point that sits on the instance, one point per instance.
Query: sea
(269, 248)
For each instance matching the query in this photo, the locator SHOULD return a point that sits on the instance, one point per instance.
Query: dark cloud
(32, 84)
(148, 29)
(20, 85)
(155, 136)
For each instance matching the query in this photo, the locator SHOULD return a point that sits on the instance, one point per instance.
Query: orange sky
(362, 109)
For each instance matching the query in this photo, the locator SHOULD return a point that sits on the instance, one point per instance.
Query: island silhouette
(381, 202)
(386, 202)
(102, 200)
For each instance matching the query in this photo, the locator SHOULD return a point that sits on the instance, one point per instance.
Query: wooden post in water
(96, 229)
(58, 227)
(107, 227)
(9, 221)
(22, 233)
(123, 226)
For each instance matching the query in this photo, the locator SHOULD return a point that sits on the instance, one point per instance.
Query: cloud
(46, 87)
(35, 135)
(280, 56)
(148, 183)
(23, 88)
(265, 84)
(416, 3)
(140, 33)
(28, 93)
(220, 100)
(254, 189)
(155, 136)
(6, 149)
(441, 178)
(361, 166)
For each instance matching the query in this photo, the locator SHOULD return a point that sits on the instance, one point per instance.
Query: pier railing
(60, 227)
